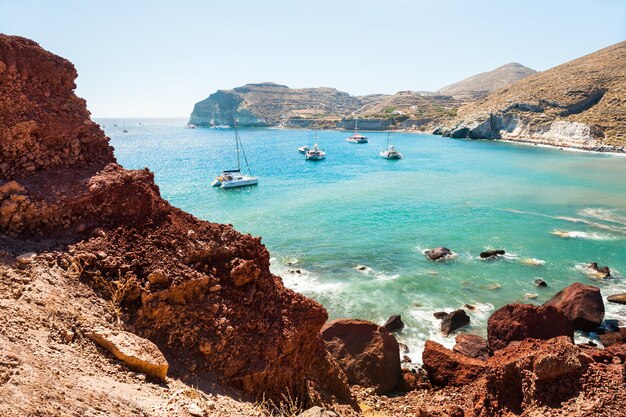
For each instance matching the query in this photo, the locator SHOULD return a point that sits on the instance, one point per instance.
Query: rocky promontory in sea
(113, 302)
(580, 104)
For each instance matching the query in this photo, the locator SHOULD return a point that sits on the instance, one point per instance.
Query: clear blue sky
(157, 58)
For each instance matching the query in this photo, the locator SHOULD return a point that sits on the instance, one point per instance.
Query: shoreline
(507, 140)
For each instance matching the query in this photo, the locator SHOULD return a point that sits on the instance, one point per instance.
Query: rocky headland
(580, 104)
(114, 302)
(269, 104)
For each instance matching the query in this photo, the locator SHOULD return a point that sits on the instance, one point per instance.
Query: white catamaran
(233, 178)
(390, 152)
(356, 138)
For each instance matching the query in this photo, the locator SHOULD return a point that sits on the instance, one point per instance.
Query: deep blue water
(354, 208)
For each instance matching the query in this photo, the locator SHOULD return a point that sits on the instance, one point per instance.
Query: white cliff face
(559, 133)
(516, 127)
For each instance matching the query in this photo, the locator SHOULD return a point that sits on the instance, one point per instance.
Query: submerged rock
(453, 321)
(617, 298)
(540, 283)
(600, 271)
(582, 304)
(368, 353)
(515, 322)
(437, 254)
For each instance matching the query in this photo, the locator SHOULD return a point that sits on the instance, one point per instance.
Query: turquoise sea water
(356, 209)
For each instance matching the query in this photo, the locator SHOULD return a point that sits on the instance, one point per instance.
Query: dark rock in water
(368, 353)
(406, 359)
(588, 343)
(454, 320)
(440, 314)
(617, 298)
(394, 323)
(403, 348)
(471, 345)
(492, 253)
(438, 253)
(540, 283)
(516, 322)
(470, 307)
(602, 271)
(361, 268)
(582, 304)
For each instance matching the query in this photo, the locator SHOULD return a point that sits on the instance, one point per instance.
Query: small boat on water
(221, 127)
(315, 154)
(356, 137)
(304, 149)
(190, 126)
(390, 152)
(124, 130)
(234, 178)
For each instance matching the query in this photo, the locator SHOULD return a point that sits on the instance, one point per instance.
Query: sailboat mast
(237, 145)
(356, 124)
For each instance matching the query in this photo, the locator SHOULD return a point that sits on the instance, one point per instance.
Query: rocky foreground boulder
(446, 367)
(201, 292)
(369, 354)
(582, 304)
(137, 353)
(516, 322)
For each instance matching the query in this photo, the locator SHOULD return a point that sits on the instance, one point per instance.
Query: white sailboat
(390, 152)
(356, 137)
(233, 178)
(315, 153)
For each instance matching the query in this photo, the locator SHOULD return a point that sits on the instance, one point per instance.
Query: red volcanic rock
(582, 304)
(471, 345)
(521, 321)
(533, 372)
(43, 124)
(446, 367)
(368, 353)
(202, 292)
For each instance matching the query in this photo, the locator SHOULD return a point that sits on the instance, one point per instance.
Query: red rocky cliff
(201, 291)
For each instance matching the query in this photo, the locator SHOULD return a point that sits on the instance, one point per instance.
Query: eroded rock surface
(368, 353)
(137, 353)
(516, 322)
(202, 292)
(583, 305)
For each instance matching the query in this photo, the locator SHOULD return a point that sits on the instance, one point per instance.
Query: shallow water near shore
(355, 225)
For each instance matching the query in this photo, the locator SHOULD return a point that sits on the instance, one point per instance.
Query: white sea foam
(430, 327)
(575, 234)
(300, 279)
(532, 261)
(379, 275)
(604, 215)
(590, 223)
